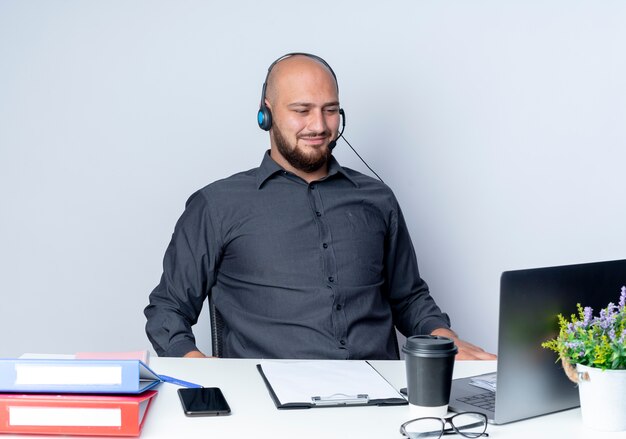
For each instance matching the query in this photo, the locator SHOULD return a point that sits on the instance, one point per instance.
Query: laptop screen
(530, 381)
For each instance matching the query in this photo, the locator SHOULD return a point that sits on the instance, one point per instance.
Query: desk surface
(255, 416)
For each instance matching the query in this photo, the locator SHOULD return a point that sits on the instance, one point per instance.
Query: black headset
(264, 116)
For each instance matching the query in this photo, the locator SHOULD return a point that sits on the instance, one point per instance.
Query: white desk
(255, 416)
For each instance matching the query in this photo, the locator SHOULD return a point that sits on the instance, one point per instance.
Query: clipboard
(326, 383)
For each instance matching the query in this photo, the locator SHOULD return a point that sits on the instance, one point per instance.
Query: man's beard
(296, 158)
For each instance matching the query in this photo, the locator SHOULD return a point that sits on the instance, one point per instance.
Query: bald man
(303, 258)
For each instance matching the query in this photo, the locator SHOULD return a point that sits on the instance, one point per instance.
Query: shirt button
(342, 342)
(331, 279)
(318, 213)
(338, 307)
(325, 245)
(312, 187)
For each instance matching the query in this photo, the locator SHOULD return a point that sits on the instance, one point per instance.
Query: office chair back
(217, 329)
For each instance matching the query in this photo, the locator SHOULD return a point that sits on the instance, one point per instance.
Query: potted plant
(593, 354)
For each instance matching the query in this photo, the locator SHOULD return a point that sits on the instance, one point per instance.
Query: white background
(500, 125)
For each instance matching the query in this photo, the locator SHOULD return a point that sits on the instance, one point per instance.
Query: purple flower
(573, 344)
(622, 298)
(588, 314)
(607, 317)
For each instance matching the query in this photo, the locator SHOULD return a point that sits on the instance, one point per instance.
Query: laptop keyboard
(486, 401)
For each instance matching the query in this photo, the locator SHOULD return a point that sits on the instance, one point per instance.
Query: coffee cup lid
(429, 346)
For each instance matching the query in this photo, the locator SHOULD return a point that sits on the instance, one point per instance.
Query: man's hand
(467, 351)
(194, 354)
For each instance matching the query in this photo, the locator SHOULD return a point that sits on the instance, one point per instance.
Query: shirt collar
(269, 168)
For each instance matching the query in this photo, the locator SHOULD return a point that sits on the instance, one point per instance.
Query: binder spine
(75, 376)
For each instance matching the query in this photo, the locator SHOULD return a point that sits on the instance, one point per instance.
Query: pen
(169, 379)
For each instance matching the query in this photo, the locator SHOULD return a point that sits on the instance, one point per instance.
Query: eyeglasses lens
(424, 428)
(470, 424)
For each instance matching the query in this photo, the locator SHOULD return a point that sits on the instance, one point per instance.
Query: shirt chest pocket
(359, 243)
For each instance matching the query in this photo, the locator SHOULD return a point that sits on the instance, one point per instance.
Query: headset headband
(264, 116)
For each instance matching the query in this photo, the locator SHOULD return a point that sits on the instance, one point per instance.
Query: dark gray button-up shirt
(297, 270)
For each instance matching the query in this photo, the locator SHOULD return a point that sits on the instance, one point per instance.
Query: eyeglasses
(468, 424)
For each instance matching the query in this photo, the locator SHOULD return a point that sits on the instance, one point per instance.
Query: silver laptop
(529, 381)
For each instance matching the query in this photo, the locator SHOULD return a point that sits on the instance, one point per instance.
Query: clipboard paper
(326, 383)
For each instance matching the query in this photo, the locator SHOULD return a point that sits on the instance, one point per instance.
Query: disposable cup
(429, 365)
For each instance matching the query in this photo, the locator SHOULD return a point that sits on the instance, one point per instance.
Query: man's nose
(317, 122)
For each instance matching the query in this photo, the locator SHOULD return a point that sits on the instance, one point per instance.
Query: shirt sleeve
(188, 275)
(414, 310)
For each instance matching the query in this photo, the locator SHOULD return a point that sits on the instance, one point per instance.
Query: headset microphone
(333, 143)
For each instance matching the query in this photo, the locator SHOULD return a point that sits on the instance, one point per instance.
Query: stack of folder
(75, 396)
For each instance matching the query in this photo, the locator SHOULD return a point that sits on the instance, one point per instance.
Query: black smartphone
(204, 401)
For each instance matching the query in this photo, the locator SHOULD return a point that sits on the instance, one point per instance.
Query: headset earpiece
(264, 118)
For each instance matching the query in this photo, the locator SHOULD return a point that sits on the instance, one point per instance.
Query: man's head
(302, 95)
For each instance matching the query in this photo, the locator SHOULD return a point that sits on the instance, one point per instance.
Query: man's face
(305, 114)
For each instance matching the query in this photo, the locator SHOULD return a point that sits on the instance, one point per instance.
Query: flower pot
(602, 397)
